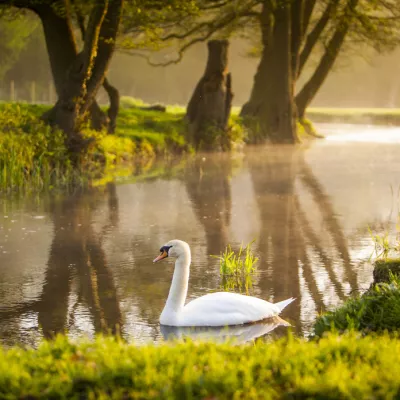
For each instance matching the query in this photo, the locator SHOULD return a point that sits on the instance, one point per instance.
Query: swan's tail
(282, 304)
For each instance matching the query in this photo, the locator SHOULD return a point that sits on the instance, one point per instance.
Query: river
(82, 263)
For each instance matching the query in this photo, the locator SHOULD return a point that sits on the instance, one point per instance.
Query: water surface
(82, 262)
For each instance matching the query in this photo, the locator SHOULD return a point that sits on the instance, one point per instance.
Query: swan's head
(174, 248)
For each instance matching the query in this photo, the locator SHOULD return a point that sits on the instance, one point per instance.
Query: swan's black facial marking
(165, 248)
(163, 253)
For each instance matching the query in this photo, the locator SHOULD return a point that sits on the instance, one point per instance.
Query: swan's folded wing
(223, 308)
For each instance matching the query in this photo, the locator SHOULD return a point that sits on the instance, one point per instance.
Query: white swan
(214, 309)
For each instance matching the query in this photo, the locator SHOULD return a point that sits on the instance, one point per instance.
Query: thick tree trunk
(252, 107)
(296, 37)
(271, 104)
(209, 108)
(112, 92)
(87, 72)
(62, 51)
(277, 118)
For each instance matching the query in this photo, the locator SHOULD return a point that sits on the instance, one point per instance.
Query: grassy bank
(374, 116)
(376, 310)
(345, 367)
(33, 156)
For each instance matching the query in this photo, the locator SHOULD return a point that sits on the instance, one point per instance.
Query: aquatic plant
(236, 269)
(383, 246)
(347, 367)
(377, 310)
(383, 269)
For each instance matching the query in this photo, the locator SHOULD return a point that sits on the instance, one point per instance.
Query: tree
(77, 74)
(309, 25)
(290, 33)
(210, 106)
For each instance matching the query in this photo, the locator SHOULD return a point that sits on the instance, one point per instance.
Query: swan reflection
(237, 333)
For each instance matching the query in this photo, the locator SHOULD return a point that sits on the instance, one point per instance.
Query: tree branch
(314, 35)
(332, 50)
(212, 27)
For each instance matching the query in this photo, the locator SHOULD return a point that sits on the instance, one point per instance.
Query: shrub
(377, 310)
(30, 152)
(346, 367)
(384, 268)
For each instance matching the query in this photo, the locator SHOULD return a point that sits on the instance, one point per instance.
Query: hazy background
(366, 79)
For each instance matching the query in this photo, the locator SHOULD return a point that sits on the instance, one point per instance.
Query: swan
(214, 309)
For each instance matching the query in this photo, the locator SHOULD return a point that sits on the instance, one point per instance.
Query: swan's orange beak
(163, 254)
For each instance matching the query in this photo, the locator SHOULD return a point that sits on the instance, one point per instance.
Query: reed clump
(237, 268)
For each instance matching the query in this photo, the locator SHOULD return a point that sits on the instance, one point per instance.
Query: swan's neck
(178, 291)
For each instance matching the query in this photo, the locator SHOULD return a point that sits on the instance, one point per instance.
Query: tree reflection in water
(207, 181)
(288, 243)
(79, 290)
(291, 250)
(76, 253)
(76, 256)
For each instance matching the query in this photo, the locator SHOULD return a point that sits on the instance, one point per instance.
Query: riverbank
(33, 156)
(367, 116)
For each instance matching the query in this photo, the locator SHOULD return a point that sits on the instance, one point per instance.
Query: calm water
(83, 263)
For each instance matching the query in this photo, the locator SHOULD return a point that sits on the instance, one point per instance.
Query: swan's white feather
(224, 308)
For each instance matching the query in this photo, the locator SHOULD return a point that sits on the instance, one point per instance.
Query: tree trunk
(86, 73)
(277, 118)
(62, 51)
(209, 108)
(113, 109)
(271, 104)
(252, 107)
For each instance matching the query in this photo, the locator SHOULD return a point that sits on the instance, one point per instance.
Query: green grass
(32, 157)
(379, 116)
(347, 367)
(377, 310)
(162, 131)
(236, 269)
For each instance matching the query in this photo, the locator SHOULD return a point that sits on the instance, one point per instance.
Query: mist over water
(83, 263)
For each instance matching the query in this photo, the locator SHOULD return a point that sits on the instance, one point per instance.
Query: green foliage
(306, 130)
(237, 268)
(213, 138)
(164, 131)
(384, 268)
(347, 367)
(30, 153)
(376, 310)
(34, 156)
